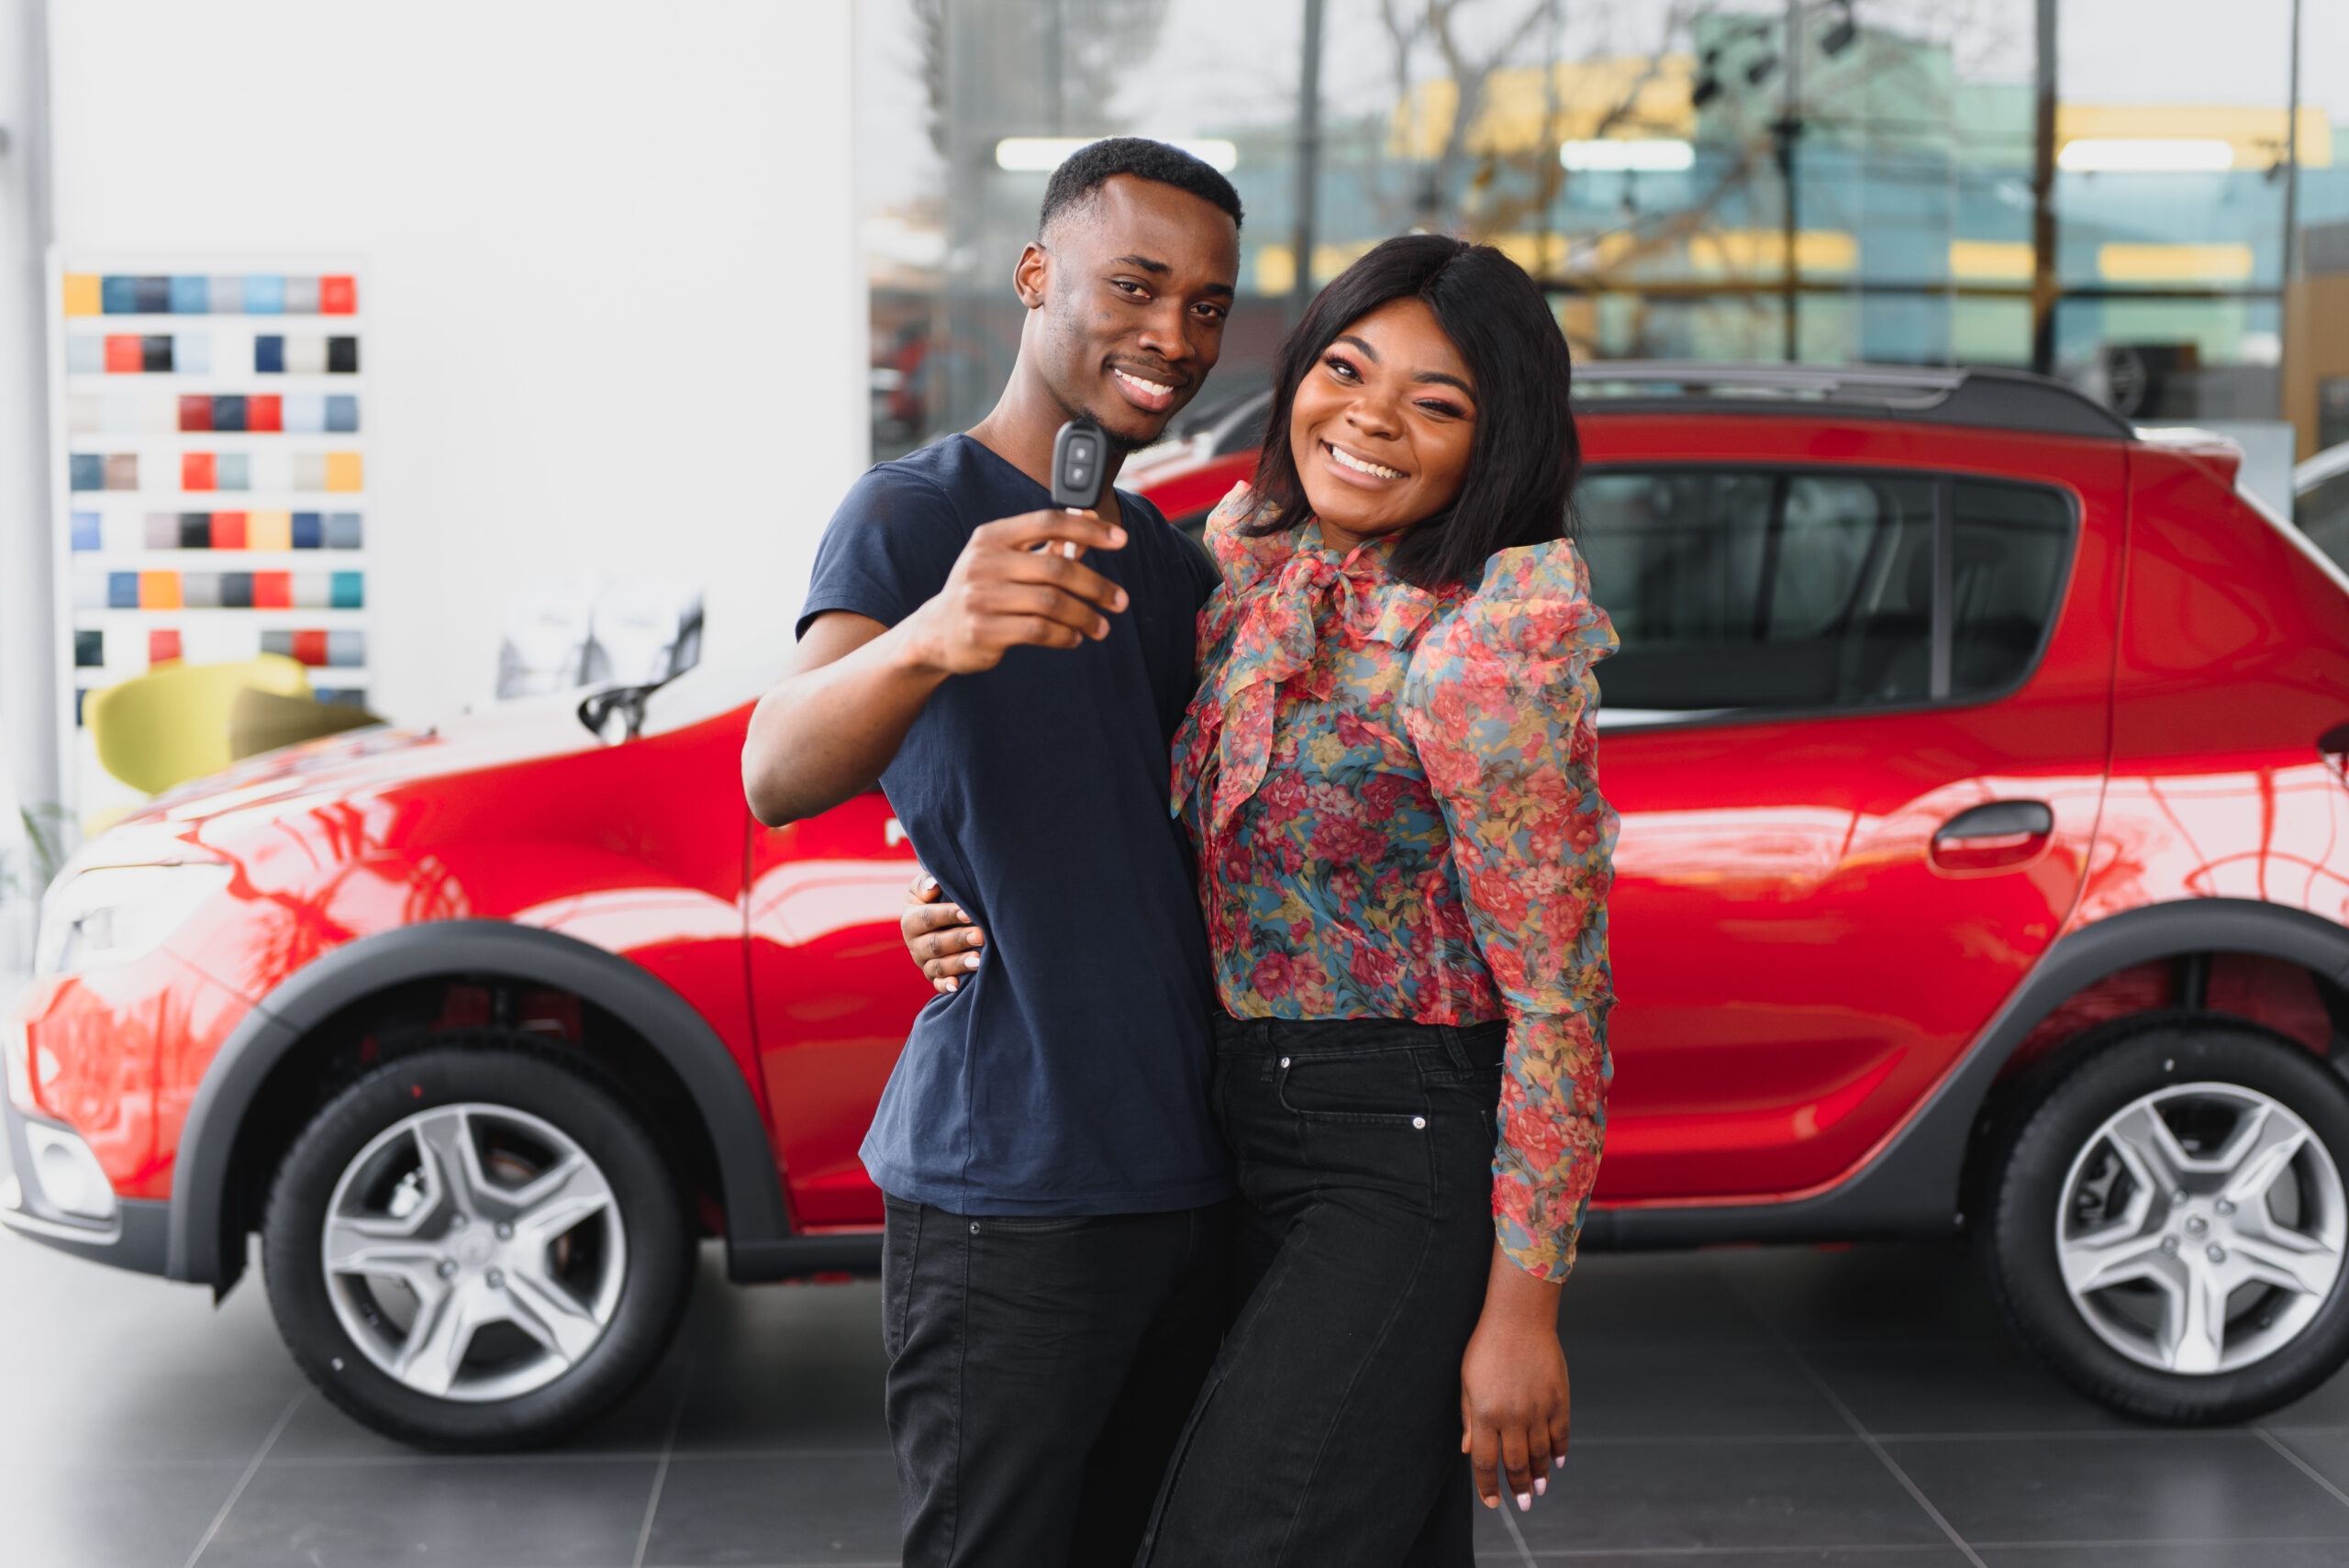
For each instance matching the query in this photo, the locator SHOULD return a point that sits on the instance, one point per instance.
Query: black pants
(1040, 1372)
(1329, 1432)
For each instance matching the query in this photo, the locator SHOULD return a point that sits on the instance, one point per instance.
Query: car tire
(476, 1247)
(2147, 1210)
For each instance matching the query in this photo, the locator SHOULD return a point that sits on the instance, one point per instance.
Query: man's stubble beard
(1055, 334)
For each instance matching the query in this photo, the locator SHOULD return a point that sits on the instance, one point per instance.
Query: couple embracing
(1233, 1174)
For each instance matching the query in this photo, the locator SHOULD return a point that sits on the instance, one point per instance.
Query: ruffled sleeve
(1500, 704)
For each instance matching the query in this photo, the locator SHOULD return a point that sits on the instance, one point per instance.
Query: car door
(833, 992)
(1856, 732)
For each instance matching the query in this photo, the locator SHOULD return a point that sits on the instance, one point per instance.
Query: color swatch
(188, 294)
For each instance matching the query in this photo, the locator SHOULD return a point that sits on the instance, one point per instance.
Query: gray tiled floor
(1742, 1409)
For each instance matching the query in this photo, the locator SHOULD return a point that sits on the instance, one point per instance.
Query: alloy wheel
(2201, 1228)
(474, 1252)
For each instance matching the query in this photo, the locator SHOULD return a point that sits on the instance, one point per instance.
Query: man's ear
(1032, 275)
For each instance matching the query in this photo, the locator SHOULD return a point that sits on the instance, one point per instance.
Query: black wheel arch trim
(1911, 1189)
(197, 1250)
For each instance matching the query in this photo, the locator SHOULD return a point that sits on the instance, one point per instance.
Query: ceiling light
(1660, 157)
(2146, 154)
(1042, 154)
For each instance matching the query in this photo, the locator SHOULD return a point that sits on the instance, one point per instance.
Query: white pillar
(28, 621)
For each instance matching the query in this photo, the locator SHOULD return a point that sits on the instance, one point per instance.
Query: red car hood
(358, 762)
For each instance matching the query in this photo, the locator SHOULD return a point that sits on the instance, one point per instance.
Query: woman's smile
(1356, 469)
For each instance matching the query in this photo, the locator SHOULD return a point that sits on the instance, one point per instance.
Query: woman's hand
(939, 935)
(1515, 1403)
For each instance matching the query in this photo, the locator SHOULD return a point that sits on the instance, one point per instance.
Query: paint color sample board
(211, 477)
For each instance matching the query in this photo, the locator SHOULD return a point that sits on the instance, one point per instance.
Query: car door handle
(1997, 819)
(1997, 836)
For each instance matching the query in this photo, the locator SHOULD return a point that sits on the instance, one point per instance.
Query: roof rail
(1997, 399)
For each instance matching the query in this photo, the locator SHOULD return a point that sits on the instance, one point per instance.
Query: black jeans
(1039, 1372)
(1329, 1431)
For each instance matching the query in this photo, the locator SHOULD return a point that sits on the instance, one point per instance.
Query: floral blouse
(1395, 799)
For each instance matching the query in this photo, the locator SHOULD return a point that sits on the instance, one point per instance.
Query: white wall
(614, 317)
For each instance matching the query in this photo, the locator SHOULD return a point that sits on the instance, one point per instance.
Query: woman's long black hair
(1525, 456)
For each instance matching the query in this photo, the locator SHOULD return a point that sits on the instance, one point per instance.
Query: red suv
(1982, 869)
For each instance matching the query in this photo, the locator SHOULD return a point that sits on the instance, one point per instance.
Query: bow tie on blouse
(1284, 598)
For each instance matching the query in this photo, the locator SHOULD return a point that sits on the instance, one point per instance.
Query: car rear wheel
(477, 1249)
(2168, 1226)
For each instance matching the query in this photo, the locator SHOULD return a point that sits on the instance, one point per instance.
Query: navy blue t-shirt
(1069, 1073)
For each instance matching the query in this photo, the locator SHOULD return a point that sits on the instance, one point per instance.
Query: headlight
(114, 915)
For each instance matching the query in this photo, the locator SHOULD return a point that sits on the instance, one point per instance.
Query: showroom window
(1687, 179)
(1736, 590)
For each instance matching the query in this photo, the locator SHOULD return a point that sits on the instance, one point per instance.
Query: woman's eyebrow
(1420, 377)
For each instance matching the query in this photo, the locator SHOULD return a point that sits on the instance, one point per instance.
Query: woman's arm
(1499, 705)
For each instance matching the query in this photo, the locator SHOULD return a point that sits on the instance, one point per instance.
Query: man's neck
(1020, 427)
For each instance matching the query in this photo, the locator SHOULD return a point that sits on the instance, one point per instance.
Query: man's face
(1130, 291)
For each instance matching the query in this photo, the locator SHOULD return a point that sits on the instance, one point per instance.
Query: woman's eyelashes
(1344, 370)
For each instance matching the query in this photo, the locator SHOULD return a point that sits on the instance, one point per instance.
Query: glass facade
(1685, 181)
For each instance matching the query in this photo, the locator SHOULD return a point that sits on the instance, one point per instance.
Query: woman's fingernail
(1525, 1502)
(1492, 1502)
(975, 937)
(1557, 1462)
(1119, 601)
(952, 984)
(1541, 1485)
(1100, 628)
(1068, 550)
(928, 884)
(971, 960)
(1117, 538)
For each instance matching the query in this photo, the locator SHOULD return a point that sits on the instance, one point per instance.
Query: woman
(1404, 862)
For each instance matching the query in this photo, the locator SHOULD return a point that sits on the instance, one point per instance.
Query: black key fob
(1080, 456)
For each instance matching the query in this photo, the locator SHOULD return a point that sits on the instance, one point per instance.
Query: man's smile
(1151, 396)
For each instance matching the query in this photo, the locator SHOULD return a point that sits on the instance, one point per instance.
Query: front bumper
(134, 1237)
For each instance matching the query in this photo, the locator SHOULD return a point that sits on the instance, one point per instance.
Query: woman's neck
(1345, 542)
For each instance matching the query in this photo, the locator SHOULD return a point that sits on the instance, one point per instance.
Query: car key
(1080, 454)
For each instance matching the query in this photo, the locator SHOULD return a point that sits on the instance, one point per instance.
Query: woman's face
(1380, 429)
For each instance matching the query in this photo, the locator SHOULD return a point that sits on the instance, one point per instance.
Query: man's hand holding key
(1019, 581)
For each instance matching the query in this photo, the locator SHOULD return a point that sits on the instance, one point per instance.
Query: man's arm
(831, 726)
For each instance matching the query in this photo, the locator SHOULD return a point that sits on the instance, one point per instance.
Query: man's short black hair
(1092, 166)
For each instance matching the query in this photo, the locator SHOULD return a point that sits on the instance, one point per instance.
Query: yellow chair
(262, 721)
(171, 724)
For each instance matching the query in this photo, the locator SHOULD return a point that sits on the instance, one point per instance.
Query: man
(1013, 674)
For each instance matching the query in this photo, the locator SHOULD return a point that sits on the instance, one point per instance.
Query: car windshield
(2323, 512)
(720, 685)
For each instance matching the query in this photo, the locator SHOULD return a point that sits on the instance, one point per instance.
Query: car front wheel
(476, 1247)
(2167, 1229)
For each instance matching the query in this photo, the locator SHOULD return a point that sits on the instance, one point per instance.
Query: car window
(2011, 544)
(2322, 513)
(1737, 590)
